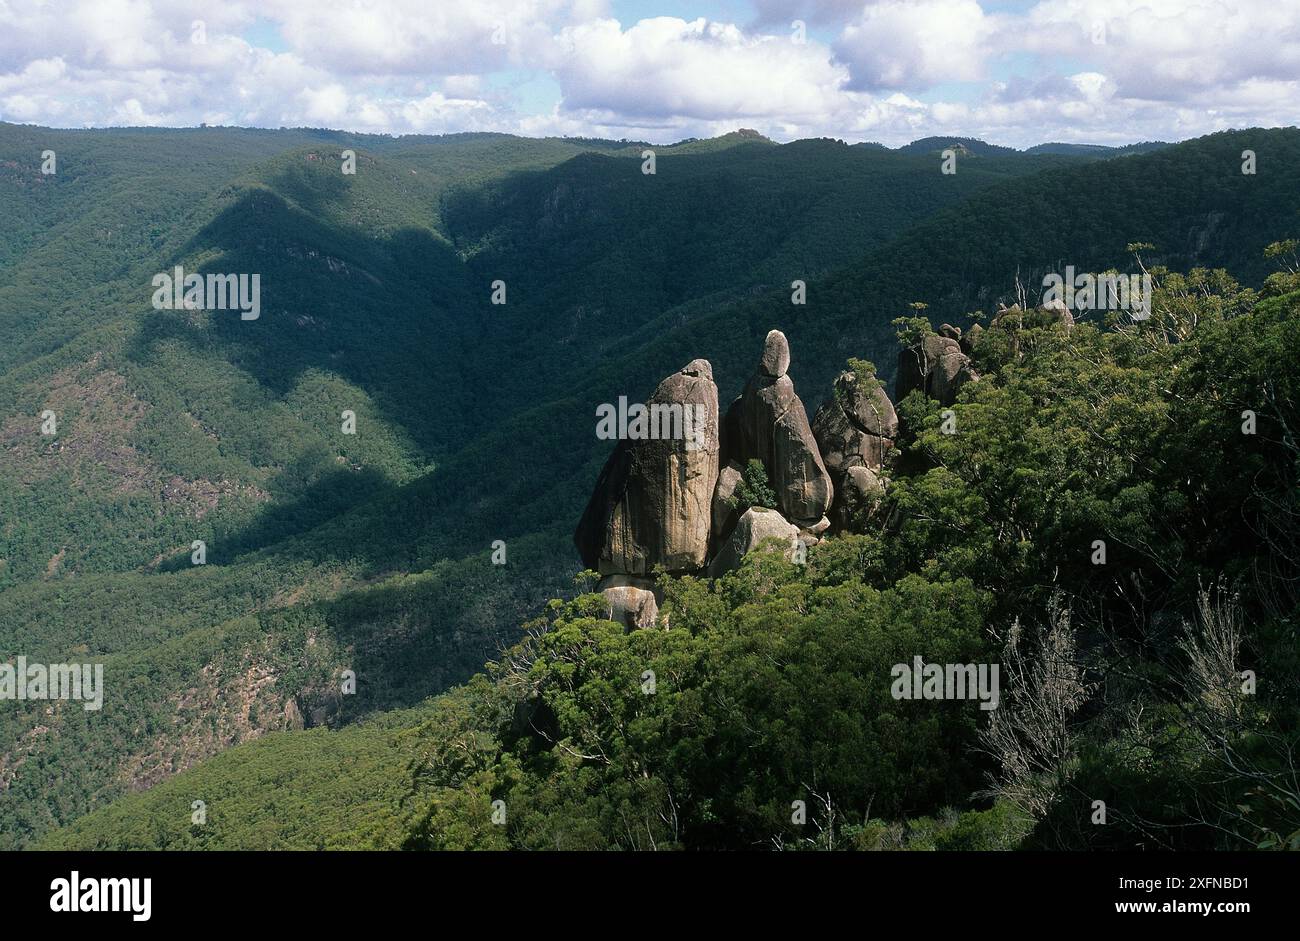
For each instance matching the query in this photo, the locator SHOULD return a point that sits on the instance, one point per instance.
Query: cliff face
(669, 501)
(652, 499)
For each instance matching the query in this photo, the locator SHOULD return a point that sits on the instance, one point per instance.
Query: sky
(1012, 72)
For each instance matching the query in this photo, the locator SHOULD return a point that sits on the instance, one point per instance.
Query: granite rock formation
(855, 428)
(755, 524)
(937, 366)
(653, 499)
(772, 426)
(631, 601)
(673, 503)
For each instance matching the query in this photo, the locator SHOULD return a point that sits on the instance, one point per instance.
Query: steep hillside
(373, 551)
(775, 679)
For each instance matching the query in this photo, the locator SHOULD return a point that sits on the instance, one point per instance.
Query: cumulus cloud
(416, 37)
(666, 67)
(888, 70)
(916, 43)
(1172, 49)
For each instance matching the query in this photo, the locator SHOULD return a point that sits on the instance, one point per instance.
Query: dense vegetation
(329, 552)
(1123, 678)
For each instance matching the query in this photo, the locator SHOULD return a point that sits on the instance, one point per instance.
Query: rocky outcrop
(630, 601)
(754, 525)
(862, 490)
(772, 426)
(653, 500)
(669, 502)
(1059, 311)
(1055, 310)
(937, 366)
(856, 426)
(855, 429)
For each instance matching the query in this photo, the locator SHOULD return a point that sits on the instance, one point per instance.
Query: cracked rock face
(862, 491)
(856, 426)
(653, 500)
(724, 514)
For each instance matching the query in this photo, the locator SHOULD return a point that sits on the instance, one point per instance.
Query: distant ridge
(1098, 150)
(740, 136)
(980, 148)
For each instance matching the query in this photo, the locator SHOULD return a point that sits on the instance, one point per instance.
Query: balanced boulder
(771, 425)
(776, 355)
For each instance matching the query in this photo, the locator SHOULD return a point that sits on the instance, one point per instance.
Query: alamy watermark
(658, 421)
(1086, 291)
(77, 894)
(181, 291)
(921, 680)
(80, 682)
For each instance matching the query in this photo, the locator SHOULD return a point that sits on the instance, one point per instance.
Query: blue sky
(1015, 72)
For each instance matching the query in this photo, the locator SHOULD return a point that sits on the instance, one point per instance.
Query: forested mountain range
(373, 552)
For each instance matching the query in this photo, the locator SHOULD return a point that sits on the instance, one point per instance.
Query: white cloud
(886, 70)
(669, 68)
(916, 43)
(1173, 49)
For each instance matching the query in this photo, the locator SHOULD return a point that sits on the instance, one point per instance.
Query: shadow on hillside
(313, 191)
(361, 519)
(419, 635)
(388, 316)
(297, 511)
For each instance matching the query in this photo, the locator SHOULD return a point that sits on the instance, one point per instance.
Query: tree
(753, 489)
